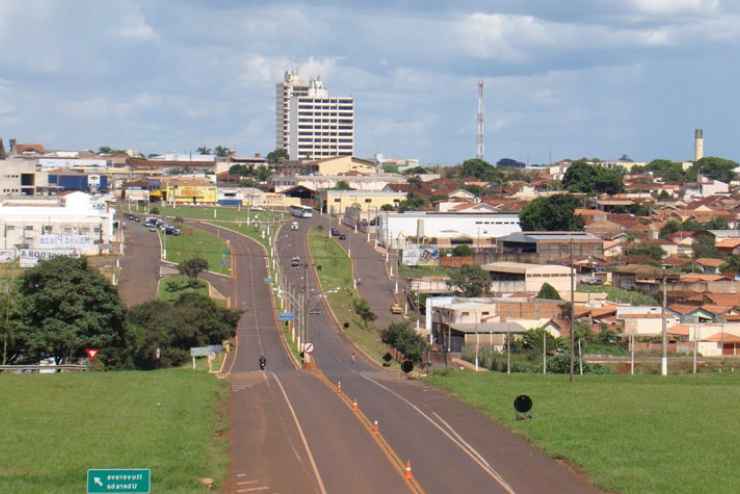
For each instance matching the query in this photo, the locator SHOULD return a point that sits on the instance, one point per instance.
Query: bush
(462, 251)
(154, 210)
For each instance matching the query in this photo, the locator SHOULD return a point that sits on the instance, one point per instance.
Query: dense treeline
(62, 307)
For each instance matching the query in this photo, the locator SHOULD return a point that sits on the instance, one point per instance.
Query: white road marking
(245, 482)
(303, 436)
(241, 474)
(468, 450)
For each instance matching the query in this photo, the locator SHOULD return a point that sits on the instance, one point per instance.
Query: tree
(462, 251)
(653, 251)
(105, 150)
(472, 281)
(342, 185)
(411, 203)
(204, 150)
(389, 168)
(582, 177)
(670, 171)
(66, 307)
(240, 170)
(664, 196)
(716, 224)
(731, 265)
(362, 309)
(554, 213)
(480, 169)
(192, 268)
(173, 328)
(703, 245)
(223, 151)
(548, 292)
(404, 339)
(671, 227)
(387, 207)
(716, 168)
(415, 171)
(262, 174)
(276, 156)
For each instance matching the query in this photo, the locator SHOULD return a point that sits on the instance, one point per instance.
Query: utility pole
(572, 315)
(664, 358)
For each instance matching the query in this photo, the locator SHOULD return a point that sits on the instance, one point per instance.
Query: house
(336, 202)
(548, 247)
(344, 165)
(708, 265)
(645, 320)
(184, 191)
(604, 228)
(465, 207)
(516, 277)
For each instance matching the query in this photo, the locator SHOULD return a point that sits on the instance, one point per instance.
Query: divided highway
(290, 432)
(452, 447)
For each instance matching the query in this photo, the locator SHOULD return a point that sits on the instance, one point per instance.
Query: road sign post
(131, 480)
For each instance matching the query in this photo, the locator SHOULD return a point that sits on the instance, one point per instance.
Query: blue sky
(563, 78)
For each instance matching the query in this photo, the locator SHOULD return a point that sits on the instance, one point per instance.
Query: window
(337, 199)
(47, 229)
(368, 200)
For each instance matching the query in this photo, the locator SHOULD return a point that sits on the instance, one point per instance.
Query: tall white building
(292, 85)
(320, 126)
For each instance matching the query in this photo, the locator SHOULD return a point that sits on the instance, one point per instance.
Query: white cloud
(672, 7)
(134, 26)
(103, 108)
(270, 69)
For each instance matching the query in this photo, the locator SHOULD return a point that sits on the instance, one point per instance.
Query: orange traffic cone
(407, 474)
(354, 404)
(339, 386)
(376, 429)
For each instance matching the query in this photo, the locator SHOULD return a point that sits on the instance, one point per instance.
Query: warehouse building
(546, 247)
(517, 277)
(336, 202)
(70, 224)
(479, 230)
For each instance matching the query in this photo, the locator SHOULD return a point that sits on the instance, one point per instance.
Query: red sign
(91, 352)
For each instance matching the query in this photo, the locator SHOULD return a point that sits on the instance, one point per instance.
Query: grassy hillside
(58, 426)
(642, 434)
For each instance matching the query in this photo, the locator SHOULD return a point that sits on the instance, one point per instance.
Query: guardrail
(39, 368)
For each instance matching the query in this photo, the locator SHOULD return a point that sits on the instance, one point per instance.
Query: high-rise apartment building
(320, 126)
(292, 85)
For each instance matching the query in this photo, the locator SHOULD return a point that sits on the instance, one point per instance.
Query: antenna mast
(480, 130)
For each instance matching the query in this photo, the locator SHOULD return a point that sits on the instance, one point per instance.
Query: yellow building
(189, 191)
(343, 165)
(337, 201)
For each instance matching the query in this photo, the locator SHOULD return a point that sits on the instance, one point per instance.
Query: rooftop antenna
(480, 130)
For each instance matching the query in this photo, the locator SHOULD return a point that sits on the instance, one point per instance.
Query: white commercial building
(73, 163)
(292, 85)
(76, 224)
(510, 277)
(397, 230)
(320, 126)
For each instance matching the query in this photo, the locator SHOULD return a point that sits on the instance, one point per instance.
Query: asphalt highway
(290, 432)
(452, 447)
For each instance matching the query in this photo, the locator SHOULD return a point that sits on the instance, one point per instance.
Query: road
(139, 265)
(289, 429)
(452, 447)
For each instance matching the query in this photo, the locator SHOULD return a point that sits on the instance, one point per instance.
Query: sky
(596, 78)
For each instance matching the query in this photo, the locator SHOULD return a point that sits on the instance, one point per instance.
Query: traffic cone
(354, 404)
(376, 429)
(339, 387)
(407, 474)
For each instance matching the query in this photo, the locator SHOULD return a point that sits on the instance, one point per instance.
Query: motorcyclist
(262, 362)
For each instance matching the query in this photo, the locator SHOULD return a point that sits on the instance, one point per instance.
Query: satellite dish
(407, 366)
(523, 404)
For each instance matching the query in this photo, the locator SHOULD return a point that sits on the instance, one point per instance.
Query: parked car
(296, 261)
(152, 228)
(334, 232)
(171, 230)
(294, 226)
(342, 236)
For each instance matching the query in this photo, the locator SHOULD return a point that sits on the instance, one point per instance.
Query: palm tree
(204, 150)
(222, 151)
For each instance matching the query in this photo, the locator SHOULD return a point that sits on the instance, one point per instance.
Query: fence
(43, 369)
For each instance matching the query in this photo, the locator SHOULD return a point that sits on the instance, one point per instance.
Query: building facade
(290, 86)
(336, 202)
(72, 224)
(397, 230)
(320, 126)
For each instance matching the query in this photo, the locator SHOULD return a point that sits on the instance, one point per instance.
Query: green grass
(336, 273)
(250, 231)
(619, 295)
(418, 271)
(222, 213)
(58, 426)
(182, 285)
(642, 434)
(197, 243)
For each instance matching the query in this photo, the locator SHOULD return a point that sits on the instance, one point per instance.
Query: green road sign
(136, 480)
